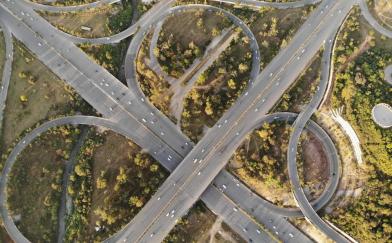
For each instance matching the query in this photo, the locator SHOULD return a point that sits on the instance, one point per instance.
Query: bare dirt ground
(96, 19)
(316, 166)
(48, 96)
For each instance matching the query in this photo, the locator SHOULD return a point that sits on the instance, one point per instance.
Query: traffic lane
(237, 219)
(155, 10)
(299, 194)
(237, 191)
(61, 68)
(180, 194)
(163, 126)
(7, 68)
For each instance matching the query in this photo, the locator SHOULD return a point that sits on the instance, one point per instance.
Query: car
(258, 231)
(224, 186)
(144, 120)
(39, 44)
(235, 209)
(194, 161)
(291, 235)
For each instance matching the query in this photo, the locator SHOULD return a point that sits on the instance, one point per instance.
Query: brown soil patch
(316, 164)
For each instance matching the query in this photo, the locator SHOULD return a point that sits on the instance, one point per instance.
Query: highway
(185, 185)
(7, 69)
(99, 88)
(298, 127)
(54, 45)
(237, 217)
(217, 202)
(132, 82)
(158, 8)
(75, 58)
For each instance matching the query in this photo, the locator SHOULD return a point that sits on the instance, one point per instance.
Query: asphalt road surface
(48, 35)
(235, 217)
(66, 69)
(7, 68)
(298, 127)
(185, 185)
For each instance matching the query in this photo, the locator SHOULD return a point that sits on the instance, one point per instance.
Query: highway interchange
(126, 109)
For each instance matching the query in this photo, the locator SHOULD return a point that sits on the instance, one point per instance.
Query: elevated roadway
(7, 68)
(53, 66)
(99, 88)
(298, 127)
(223, 206)
(185, 185)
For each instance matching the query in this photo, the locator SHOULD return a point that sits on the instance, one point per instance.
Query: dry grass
(109, 157)
(183, 27)
(47, 97)
(96, 19)
(32, 194)
(383, 10)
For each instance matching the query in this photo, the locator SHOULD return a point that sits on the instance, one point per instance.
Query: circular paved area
(382, 115)
(388, 74)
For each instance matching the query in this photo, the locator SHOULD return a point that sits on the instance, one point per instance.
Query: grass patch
(35, 184)
(185, 36)
(34, 94)
(358, 86)
(112, 181)
(103, 21)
